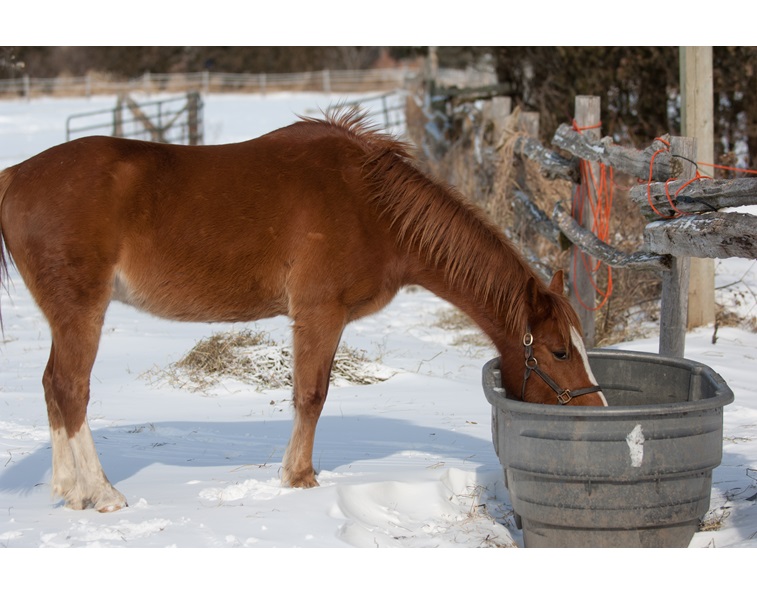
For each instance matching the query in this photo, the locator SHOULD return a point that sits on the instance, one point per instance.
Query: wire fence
(326, 81)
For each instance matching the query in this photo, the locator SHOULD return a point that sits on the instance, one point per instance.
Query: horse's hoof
(112, 507)
(307, 483)
(306, 480)
(109, 500)
(115, 501)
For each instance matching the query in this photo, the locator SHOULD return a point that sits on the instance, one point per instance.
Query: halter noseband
(564, 395)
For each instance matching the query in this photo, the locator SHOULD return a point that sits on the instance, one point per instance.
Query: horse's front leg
(316, 338)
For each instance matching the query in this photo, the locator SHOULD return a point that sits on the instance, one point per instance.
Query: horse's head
(555, 368)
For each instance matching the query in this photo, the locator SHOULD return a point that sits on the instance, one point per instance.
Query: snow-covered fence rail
(626, 159)
(699, 198)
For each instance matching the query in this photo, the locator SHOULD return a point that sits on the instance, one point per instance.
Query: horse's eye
(561, 355)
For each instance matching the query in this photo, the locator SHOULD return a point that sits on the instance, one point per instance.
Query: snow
(406, 463)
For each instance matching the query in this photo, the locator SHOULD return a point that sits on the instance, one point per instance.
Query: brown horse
(323, 221)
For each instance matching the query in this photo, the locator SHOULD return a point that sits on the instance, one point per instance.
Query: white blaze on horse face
(578, 343)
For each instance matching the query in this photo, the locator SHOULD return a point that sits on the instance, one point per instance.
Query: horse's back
(224, 232)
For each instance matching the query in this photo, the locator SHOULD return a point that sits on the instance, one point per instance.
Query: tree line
(133, 61)
(639, 87)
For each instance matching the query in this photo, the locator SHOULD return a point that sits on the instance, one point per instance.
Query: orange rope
(599, 218)
(729, 168)
(697, 176)
(578, 128)
(651, 176)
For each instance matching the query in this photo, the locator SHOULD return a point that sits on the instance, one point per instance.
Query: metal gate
(177, 120)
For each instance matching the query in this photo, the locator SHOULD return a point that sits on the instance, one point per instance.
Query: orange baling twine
(671, 199)
(697, 176)
(600, 209)
(599, 217)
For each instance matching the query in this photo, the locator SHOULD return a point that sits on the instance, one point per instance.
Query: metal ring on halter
(528, 341)
(564, 395)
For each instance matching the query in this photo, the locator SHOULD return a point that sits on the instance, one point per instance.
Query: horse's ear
(557, 284)
(532, 292)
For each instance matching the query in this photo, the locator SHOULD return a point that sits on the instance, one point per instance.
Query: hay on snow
(253, 357)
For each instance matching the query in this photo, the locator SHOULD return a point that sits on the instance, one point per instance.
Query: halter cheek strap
(564, 395)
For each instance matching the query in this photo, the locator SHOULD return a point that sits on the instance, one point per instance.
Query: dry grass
(466, 331)
(252, 357)
(714, 519)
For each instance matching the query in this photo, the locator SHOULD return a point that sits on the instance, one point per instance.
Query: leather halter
(564, 395)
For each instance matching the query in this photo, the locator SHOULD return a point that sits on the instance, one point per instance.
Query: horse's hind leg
(316, 337)
(77, 474)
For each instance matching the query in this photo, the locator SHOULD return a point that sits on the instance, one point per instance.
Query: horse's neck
(454, 251)
(494, 311)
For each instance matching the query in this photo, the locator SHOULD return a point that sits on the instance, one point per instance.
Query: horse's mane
(435, 220)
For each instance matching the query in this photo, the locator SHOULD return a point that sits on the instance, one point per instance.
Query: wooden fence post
(193, 118)
(118, 118)
(497, 111)
(529, 123)
(326, 81)
(583, 296)
(697, 114)
(674, 304)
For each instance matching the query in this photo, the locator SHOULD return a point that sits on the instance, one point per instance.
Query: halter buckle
(564, 397)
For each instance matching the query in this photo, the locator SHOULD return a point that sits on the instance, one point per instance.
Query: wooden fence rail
(701, 197)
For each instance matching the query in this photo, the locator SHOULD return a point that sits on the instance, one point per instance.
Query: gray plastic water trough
(637, 473)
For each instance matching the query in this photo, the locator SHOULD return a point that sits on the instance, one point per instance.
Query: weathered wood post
(118, 117)
(497, 111)
(528, 122)
(675, 282)
(583, 297)
(697, 113)
(193, 118)
(326, 81)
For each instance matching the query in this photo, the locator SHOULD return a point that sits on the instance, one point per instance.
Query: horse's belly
(199, 301)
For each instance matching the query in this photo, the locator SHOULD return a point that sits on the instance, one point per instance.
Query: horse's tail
(6, 177)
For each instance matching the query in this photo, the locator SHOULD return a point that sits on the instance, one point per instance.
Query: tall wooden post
(193, 118)
(118, 117)
(697, 113)
(675, 282)
(583, 296)
(499, 108)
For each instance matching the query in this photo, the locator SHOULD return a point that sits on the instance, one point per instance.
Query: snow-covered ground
(405, 463)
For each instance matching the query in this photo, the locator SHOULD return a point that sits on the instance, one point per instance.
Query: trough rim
(723, 394)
